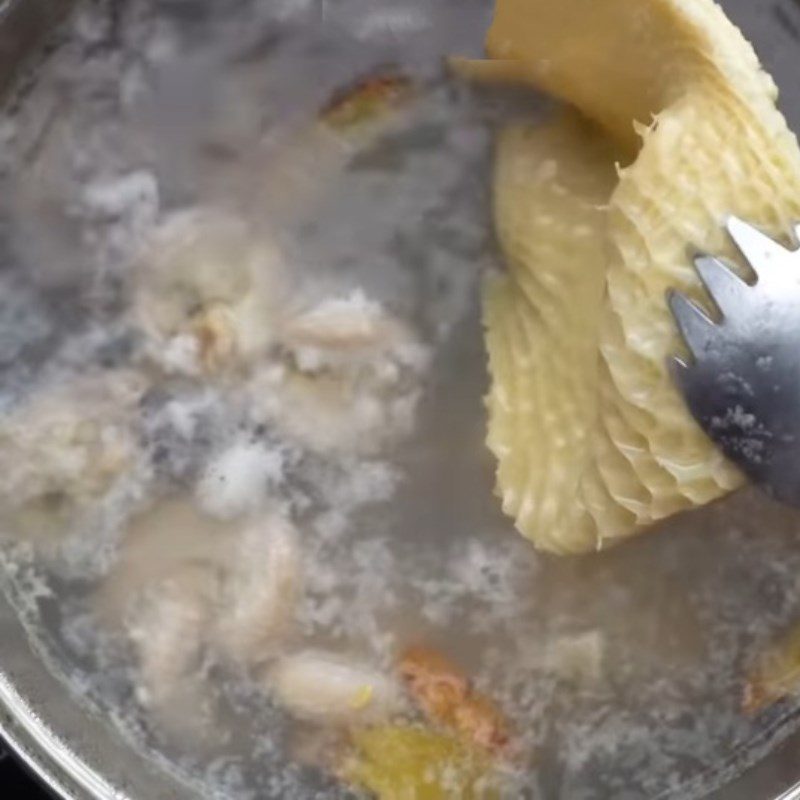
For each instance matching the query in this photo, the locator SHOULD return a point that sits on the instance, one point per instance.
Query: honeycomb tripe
(672, 127)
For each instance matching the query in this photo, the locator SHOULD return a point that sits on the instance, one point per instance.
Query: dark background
(16, 783)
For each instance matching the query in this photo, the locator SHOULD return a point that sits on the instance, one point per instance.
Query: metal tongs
(742, 384)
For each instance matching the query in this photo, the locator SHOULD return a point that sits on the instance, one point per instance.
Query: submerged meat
(349, 379)
(190, 587)
(367, 102)
(304, 168)
(167, 627)
(261, 591)
(64, 448)
(595, 218)
(160, 541)
(775, 675)
(328, 688)
(446, 697)
(208, 294)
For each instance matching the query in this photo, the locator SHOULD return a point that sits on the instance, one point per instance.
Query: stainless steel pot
(70, 744)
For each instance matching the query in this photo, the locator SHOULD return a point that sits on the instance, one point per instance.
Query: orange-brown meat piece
(445, 695)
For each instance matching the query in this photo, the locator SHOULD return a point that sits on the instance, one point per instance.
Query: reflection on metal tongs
(742, 382)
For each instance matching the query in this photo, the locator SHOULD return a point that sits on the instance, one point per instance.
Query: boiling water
(145, 107)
